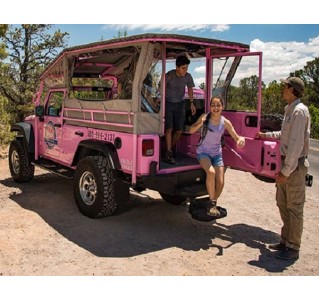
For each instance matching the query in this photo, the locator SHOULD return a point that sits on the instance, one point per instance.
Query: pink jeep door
(50, 130)
(238, 79)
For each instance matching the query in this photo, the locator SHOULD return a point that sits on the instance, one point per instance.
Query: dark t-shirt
(175, 86)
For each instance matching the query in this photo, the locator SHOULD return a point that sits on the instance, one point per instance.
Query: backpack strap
(203, 131)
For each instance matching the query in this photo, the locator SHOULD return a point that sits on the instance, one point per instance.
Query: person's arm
(198, 124)
(240, 141)
(271, 135)
(191, 100)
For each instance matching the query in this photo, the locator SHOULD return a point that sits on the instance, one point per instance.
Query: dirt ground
(43, 233)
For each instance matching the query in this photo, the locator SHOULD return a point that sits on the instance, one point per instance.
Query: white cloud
(171, 27)
(199, 80)
(281, 58)
(200, 70)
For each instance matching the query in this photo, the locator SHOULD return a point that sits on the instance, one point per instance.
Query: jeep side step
(54, 168)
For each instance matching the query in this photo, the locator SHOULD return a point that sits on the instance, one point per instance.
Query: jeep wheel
(176, 200)
(20, 168)
(94, 187)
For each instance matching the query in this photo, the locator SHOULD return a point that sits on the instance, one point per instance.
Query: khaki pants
(290, 198)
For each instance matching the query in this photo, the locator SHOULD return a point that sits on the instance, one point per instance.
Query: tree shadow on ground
(147, 224)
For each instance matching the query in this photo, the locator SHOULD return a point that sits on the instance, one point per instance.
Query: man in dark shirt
(176, 81)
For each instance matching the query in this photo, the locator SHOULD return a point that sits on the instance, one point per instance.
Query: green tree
(244, 97)
(3, 30)
(272, 102)
(314, 112)
(4, 116)
(30, 48)
(5, 120)
(310, 75)
(202, 86)
(121, 34)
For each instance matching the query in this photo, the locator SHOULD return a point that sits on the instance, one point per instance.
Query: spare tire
(271, 122)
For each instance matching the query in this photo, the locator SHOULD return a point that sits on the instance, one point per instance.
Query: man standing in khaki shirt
(290, 182)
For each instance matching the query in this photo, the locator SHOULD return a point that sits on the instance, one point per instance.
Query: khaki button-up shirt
(294, 135)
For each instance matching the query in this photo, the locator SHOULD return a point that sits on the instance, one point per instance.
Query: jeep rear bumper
(184, 184)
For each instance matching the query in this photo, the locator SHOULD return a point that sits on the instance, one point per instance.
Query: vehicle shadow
(147, 224)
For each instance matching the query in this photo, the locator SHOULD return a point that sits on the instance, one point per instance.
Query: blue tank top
(211, 144)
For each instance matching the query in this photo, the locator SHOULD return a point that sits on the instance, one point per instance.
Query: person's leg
(179, 121)
(176, 137)
(292, 212)
(218, 164)
(168, 138)
(296, 197)
(169, 121)
(169, 153)
(219, 181)
(284, 214)
(206, 164)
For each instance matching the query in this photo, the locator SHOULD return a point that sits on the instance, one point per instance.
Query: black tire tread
(105, 204)
(26, 171)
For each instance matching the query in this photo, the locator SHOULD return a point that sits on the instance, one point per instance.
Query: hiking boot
(169, 157)
(277, 246)
(288, 254)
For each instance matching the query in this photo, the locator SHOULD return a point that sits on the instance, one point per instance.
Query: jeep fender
(25, 132)
(92, 147)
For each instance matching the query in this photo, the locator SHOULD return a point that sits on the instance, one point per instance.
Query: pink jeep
(99, 120)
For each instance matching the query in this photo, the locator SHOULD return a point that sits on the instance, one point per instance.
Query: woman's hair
(217, 97)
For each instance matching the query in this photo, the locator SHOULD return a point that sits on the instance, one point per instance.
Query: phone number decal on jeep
(101, 135)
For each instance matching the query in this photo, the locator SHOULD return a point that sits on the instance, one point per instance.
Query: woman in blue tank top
(209, 150)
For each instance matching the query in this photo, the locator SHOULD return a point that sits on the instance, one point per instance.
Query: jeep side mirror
(39, 111)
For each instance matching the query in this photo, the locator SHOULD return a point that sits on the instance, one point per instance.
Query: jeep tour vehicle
(99, 119)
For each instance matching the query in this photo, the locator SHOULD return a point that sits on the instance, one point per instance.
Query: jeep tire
(94, 187)
(20, 167)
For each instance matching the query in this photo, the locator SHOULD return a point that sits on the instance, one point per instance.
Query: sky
(288, 35)
(286, 47)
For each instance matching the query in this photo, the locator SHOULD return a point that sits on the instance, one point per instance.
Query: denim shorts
(217, 160)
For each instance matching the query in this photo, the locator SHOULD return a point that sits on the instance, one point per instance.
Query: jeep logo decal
(50, 135)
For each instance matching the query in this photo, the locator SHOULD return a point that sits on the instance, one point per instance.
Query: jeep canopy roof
(110, 57)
